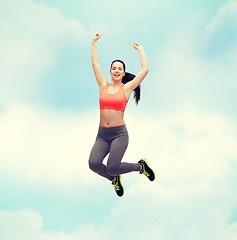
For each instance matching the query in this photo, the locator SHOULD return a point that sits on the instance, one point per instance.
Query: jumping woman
(112, 135)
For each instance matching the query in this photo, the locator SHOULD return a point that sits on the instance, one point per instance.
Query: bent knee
(94, 166)
(113, 170)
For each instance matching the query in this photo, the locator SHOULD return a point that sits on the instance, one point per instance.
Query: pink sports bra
(116, 101)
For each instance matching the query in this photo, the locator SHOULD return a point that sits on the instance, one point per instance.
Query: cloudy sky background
(185, 123)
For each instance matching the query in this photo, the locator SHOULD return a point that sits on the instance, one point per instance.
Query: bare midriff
(111, 118)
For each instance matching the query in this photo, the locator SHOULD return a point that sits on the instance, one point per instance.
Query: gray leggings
(113, 140)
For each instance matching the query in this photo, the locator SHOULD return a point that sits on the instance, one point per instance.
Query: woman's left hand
(137, 46)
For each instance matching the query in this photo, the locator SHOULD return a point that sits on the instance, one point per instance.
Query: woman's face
(117, 71)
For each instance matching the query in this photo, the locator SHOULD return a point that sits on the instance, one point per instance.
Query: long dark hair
(127, 78)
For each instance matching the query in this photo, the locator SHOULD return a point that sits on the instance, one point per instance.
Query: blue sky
(185, 123)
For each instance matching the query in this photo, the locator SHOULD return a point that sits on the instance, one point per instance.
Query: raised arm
(95, 63)
(144, 68)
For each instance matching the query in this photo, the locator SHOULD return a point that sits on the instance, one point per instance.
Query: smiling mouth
(116, 75)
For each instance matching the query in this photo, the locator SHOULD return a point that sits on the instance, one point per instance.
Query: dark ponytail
(137, 91)
(127, 78)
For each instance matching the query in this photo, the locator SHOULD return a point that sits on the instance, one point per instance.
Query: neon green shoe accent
(115, 184)
(146, 173)
(145, 168)
(118, 186)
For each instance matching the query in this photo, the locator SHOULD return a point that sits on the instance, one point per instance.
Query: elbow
(146, 70)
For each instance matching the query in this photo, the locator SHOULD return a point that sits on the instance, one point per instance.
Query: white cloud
(198, 67)
(220, 34)
(21, 224)
(191, 151)
(180, 213)
(225, 15)
(45, 140)
(32, 36)
(192, 154)
(48, 145)
(184, 141)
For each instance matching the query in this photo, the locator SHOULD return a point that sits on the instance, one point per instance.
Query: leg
(117, 150)
(97, 155)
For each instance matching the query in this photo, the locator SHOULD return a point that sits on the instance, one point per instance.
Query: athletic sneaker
(146, 169)
(118, 186)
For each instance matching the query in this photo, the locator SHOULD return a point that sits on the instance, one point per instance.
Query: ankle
(141, 168)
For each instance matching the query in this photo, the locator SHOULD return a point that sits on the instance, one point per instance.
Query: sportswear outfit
(112, 140)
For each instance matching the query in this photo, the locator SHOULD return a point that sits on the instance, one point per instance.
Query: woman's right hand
(97, 37)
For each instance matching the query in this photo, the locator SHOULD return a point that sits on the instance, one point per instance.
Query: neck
(115, 83)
